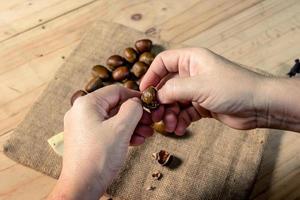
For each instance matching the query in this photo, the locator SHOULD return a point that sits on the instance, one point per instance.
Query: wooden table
(36, 36)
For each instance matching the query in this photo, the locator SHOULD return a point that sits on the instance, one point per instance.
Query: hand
(97, 132)
(215, 87)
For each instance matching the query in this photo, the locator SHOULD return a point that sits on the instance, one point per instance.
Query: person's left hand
(97, 132)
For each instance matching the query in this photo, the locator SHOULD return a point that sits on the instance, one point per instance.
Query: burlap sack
(213, 161)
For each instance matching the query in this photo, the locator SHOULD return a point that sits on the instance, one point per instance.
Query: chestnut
(131, 85)
(120, 73)
(78, 93)
(143, 45)
(160, 127)
(147, 58)
(130, 55)
(115, 61)
(101, 72)
(139, 69)
(149, 98)
(93, 84)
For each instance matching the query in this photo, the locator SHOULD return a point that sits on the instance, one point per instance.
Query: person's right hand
(215, 86)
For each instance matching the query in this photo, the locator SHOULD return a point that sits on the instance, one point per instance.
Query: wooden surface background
(37, 35)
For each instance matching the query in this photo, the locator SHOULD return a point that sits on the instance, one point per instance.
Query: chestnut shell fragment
(163, 157)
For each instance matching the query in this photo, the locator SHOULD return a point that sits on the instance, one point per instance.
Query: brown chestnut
(149, 98)
(101, 72)
(139, 69)
(78, 93)
(93, 84)
(143, 45)
(147, 58)
(131, 85)
(120, 73)
(159, 127)
(115, 61)
(130, 55)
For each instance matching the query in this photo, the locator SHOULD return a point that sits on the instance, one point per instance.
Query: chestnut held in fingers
(147, 58)
(120, 73)
(78, 93)
(130, 55)
(143, 45)
(94, 84)
(149, 98)
(115, 61)
(101, 72)
(160, 127)
(131, 85)
(139, 69)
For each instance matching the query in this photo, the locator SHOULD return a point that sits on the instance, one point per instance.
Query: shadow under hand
(187, 135)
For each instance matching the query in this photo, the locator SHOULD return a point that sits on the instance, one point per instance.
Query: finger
(110, 96)
(193, 113)
(128, 116)
(145, 131)
(158, 114)
(146, 118)
(184, 121)
(185, 118)
(178, 89)
(170, 117)
(164, 63)
(202, 111)
(137, 140)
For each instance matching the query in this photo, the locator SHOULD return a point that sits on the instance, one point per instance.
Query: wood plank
(244, 25)
(19, 16)
(200, 17)
(228, 34)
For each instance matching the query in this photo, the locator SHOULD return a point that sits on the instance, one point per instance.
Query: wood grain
(263, 34)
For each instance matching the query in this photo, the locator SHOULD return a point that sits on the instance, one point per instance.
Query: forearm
(279, 106)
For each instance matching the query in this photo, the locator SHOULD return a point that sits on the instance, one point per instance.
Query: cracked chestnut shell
(101, 72)
(149, 98)
(139, 69)
(76, 95)
(93, 84)
(163, 157)
(147, 58)
(143, 45)
(115, 61)
(130, 55)
(157, 175)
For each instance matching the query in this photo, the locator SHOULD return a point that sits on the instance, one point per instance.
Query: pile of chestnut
(126, 70)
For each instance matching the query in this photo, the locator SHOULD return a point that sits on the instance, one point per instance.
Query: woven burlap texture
(213, 161)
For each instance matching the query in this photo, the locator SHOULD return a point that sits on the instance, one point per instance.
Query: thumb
(178, 89)
(128, 116)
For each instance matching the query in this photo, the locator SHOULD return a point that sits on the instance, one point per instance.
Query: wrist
(277, 103)
(76, 186)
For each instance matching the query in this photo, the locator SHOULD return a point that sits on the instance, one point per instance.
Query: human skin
(220, 89)
(97, 132)
(101, 125)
